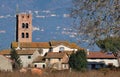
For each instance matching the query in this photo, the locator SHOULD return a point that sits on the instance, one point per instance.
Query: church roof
(31, 45)
(45, 44)
(66, 43)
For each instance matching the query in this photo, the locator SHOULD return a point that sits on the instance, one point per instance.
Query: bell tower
(24, 27)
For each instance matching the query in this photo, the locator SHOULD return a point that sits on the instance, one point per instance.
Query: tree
(15, 57)
(111, 44)
(95, 19)
(78, 60)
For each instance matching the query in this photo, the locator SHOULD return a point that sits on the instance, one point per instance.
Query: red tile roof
(20, 52)
(66, 43)
(31, 45)
(101, 55)
(55, 55)
(44, 44)
(39, 59)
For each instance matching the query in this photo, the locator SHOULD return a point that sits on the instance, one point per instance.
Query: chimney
(88, 51)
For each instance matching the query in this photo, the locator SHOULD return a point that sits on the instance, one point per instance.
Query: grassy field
(93, 73)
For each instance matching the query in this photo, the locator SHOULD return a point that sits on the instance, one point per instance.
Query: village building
(98, 60)
(57, 60)
(37, 54)
(26, 56)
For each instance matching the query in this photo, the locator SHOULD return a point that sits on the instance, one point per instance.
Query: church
(53, 54)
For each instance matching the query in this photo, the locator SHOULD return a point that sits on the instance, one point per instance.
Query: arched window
(61, 49)
(27, 35)
(23, 25)
(26, 25)
(43, 65)
(23, 35)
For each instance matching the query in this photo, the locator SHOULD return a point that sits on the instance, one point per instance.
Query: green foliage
(15, 57)
(78, 60)
(111, 44)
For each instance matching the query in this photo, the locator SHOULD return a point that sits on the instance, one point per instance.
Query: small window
(29, 57)
(23, 35)
(35, 65)
(59, 59)
(27, 35)
(43, 65)
(61, 49)
(23, 25)
(26, 25)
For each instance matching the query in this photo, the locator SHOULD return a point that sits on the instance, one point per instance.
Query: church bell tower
(24, 27)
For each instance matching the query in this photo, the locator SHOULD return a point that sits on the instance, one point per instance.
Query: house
(57, 60)
(99, 59)
(5, 64)
(26, 56)
(39, 62)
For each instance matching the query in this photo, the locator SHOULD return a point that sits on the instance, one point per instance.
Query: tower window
(23, 35)
(27, 35)
(23, 25)
(26, 25)
(28, 16)
(22, 16)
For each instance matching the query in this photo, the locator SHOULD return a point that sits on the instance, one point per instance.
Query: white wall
(106, 61)
(45, 51)
(25, 60)
(35, 55)
(39, 65)
(56, 49)
(65, 66)
(52, 61)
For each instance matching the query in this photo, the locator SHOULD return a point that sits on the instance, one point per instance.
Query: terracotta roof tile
(5, 52)
(31, 44)
(66, 43)
(25, 52)
(55, 55)
(20, 52)
(97, 55)
(39, 59)
(68, 52)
